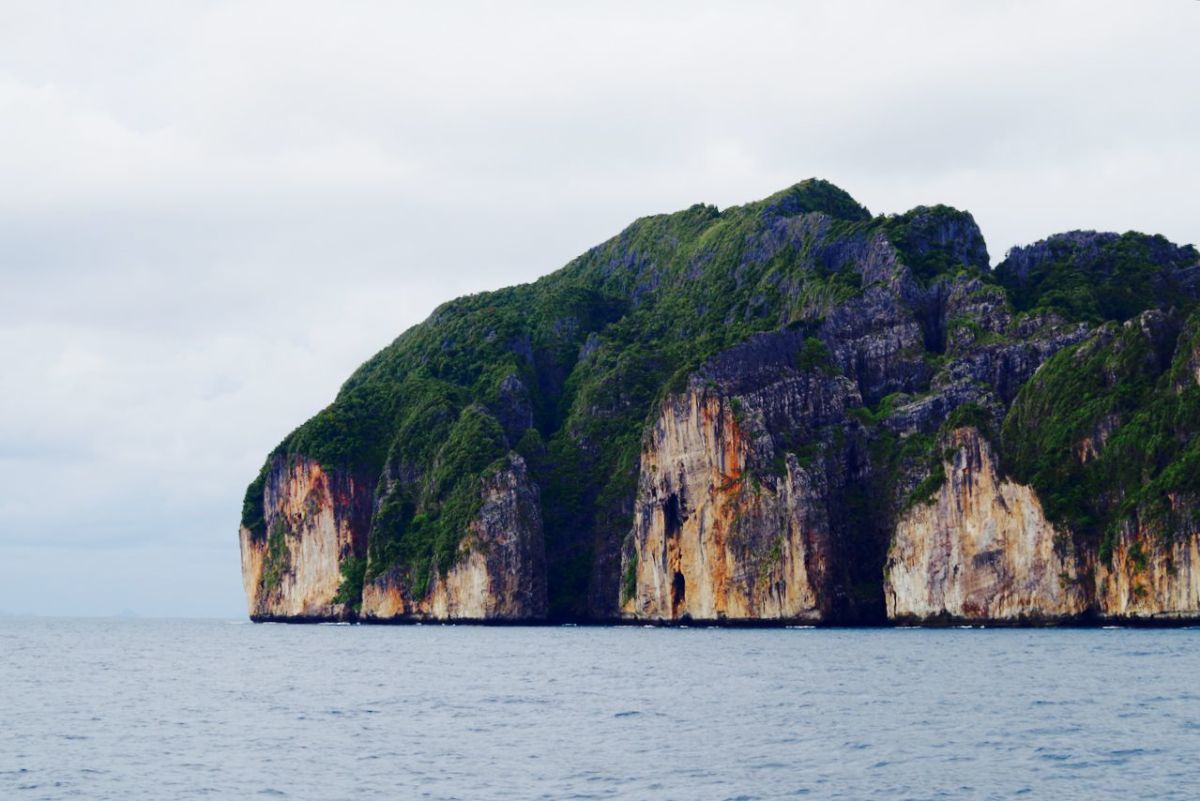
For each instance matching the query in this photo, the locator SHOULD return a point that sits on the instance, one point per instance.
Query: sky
(211, 213)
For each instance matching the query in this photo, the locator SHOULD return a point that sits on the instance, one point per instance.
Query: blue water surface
(116, 709)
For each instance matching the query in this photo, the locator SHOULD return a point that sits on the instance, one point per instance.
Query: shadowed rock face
(785, 411)
(980, 549)
(500, 574)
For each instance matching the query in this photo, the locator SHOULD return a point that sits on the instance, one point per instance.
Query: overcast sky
(211, 213)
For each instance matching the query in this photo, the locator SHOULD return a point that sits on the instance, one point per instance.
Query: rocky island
(790, 411)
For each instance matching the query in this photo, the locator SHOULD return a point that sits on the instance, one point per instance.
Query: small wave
(1127, 752)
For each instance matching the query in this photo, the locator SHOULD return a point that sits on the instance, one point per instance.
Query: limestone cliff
(1147, 579)
(980, 549)
(314, 520)
(711, 541)
(500, 570)
(1152, 572)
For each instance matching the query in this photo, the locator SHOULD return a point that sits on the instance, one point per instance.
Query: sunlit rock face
(980, 549)
(314, 521)
(1148, 579)
(500, 572)
(713, 540)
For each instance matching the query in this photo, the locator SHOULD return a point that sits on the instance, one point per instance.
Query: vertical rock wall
(1147, 579)
(314, 521)
(500, 573)
(980, 550)
(710, 541)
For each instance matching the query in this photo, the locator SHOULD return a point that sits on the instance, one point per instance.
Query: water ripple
(146, 710)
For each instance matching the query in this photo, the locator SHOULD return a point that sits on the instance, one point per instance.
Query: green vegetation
(870, 416)
(927, 489)
(253, 514)
(972, 415)
(418, 527)
(1108, 431)
(814, 355)
(773, 558)
(354, 571)
(278, 559)
(1137, 555)
(809, 196)
(923, 455)
(629, 580)
(1096, 277)
(938, 240)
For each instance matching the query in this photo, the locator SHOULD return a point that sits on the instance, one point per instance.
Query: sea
(181, 709)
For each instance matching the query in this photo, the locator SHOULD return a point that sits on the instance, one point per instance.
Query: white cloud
(210, 213)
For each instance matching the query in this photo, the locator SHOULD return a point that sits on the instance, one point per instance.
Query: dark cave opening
(678, 593)
(672, 519)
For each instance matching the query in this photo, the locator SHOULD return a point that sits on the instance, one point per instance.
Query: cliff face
(783, 411)
(500, 570)
(1153, 571)
(711, 541)
(1147, 579)
(314, 521)
(980, 549)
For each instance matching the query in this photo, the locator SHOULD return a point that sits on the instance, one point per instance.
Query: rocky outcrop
(1147, 579)
(980, 549)
(314, 521)
(1092, 443)
(878, 342)
(500, 570)
(1190, 374)
(714, 540)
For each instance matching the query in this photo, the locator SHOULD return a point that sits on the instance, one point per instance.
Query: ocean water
(108, 709)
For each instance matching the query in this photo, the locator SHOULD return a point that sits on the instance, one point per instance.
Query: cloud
(210, 213)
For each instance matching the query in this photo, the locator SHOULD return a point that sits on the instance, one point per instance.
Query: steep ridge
(788, 411)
